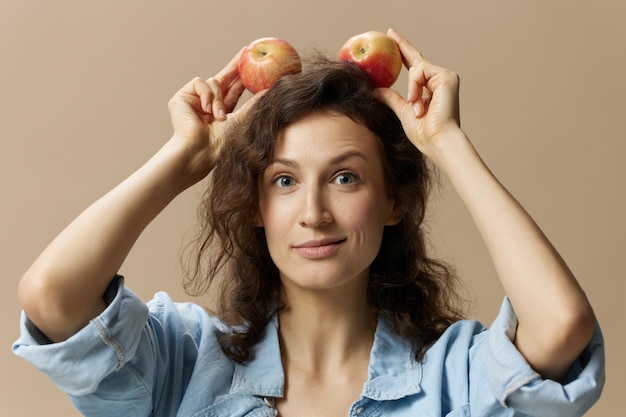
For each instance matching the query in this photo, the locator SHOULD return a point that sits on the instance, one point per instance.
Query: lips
(318, 249)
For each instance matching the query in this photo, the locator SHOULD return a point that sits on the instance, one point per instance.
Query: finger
(417, 66)
(424, 103)
(230, 72)
(417, 80)
(410, 55)
(402, 108)
(245, 108)
(217, 102)
(424, 79)
(195, 92)
(233, 93)
(427, 96)
(226, 80)
(205, 93)
(238, 115)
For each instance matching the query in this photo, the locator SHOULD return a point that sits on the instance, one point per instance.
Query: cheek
(265, 207)
(370, 215)
(379, 204)
(269, 209)
(273, 217)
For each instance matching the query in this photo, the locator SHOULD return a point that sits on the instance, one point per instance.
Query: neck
(323, 331)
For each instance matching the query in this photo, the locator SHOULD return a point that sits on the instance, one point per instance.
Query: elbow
(46, 305)
(570, 334)
(37, 303)
(569, 326)
(31, 295)
(554, 343)
(577, 327)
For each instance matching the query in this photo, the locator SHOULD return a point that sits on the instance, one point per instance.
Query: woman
(331, 304)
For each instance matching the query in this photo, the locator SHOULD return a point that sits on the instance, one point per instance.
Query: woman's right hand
(74, 271)
(200, 111)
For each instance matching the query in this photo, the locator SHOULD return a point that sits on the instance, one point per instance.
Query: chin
(325, 281)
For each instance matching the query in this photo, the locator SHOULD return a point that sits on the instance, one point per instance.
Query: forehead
(325, 134)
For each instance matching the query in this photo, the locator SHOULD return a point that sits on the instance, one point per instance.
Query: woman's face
(323, 202)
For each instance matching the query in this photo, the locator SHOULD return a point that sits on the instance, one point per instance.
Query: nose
(315, 210)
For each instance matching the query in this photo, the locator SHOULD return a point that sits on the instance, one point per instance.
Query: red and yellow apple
(376, 54)
(265, 60)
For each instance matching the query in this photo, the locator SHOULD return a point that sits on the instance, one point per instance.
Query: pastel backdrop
(83, 93)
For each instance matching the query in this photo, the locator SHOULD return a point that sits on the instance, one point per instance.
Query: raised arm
(555, 319)
(64, 287)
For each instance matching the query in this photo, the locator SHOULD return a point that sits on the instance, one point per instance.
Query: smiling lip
(317, 249)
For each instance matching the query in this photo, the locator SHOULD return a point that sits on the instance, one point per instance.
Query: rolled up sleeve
(78, 364)
(517, 386)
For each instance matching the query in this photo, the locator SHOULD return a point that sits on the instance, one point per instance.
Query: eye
(285, 181)
(346, 178)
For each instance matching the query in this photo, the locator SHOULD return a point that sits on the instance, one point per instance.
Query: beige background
(84, 87)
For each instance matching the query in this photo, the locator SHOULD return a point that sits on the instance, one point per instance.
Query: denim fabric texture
(163, 359)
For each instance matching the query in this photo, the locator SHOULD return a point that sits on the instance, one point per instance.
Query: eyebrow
(334, 161)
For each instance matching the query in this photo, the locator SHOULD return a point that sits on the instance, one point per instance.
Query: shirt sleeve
(518, 387)
(78, 364)
(135, 358)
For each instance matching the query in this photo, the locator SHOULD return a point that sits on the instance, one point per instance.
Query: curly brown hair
(413, 290)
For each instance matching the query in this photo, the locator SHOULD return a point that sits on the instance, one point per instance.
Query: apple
(265, 60)
(376, 54)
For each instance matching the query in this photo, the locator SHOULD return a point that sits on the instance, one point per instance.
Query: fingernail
(415, 109)
(221, 114)
(208, 108)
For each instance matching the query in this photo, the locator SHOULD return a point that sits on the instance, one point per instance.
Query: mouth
(318, 249)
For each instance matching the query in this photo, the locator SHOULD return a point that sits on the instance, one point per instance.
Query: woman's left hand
(535, 278)
(431, 109)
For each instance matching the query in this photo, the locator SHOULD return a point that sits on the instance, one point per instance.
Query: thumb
(405, 110)
(241, 112)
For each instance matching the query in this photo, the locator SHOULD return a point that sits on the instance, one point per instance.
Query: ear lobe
(393, 220)
(394, 216)
(257, 221)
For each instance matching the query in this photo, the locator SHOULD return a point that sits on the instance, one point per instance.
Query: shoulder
(185, 317)
(460, 338)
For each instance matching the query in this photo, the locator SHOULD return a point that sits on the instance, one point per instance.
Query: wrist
(450, 150)
(186, 161)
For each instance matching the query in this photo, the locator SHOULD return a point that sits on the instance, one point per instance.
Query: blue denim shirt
(163, 359)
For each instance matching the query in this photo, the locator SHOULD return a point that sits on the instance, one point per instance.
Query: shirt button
(360, 410)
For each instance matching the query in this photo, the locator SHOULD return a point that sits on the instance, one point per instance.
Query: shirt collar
(263, 375)
(393, 372)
